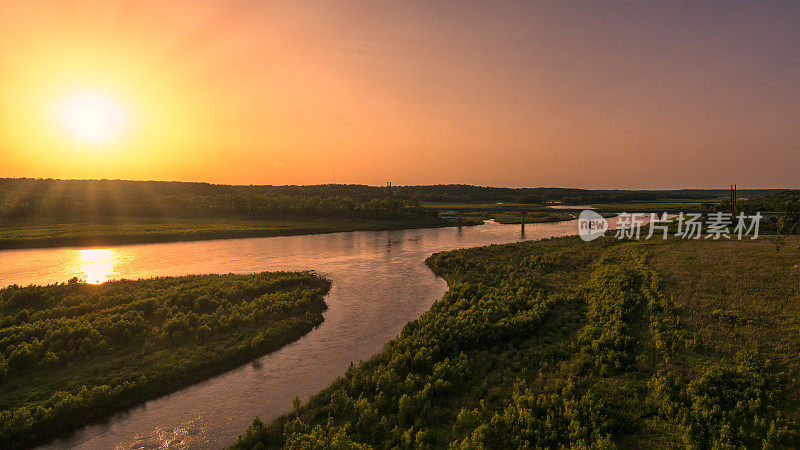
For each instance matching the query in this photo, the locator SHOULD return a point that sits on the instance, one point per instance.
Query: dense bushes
(728, 407)
(786, 202)
(71, 351)
(552, 344)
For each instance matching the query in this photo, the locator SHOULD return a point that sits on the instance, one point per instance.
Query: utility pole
(389, 189)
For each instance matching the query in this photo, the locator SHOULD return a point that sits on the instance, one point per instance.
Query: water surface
(380, 283)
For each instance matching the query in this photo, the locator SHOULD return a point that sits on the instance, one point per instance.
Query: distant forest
(85, 199)
(25, 198)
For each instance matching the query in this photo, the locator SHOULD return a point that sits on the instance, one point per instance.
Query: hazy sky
(586, 94)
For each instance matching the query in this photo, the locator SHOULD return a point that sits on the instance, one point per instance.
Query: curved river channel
(380, 282)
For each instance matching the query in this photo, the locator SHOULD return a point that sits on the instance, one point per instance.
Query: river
(380, 283)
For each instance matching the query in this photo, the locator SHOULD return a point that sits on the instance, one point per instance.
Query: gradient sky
(583, 94)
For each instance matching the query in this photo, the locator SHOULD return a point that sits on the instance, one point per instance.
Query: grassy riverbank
(73, 353)
(687, 205)
(561, 343)
(535, 217)
(48, 233)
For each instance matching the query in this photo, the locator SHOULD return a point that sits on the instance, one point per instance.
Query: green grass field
(486, 205)
(73, 352)
(692, 205)
(560, 343)
(535, 217)
(133, 231)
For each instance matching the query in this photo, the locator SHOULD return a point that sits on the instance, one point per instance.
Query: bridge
(522, 211)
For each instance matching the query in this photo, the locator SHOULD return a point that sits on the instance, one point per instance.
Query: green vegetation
(105, 199)
(25, 198)
(786, 203)
(510, 217)
(478, 217)
(73, 352)
(783, 201)
(560, 343)
(45, 212)
(687, 206)
(48, 233)
(482, 205)
(459, 193)
(535, 217)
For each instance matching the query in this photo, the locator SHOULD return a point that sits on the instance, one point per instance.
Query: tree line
(108, 199)
(786, 203)
(26, 198)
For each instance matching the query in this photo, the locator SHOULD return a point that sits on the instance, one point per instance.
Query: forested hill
(92, 199)
(36, 198)
(564, 344)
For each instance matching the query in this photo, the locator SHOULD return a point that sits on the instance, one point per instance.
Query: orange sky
(583, 94)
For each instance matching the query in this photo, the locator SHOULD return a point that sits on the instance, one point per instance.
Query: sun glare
(96, 264)
(92, 117)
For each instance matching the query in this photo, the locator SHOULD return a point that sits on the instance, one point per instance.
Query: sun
(92, 117)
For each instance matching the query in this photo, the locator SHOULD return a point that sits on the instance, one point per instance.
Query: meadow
(72, 353)
(561, 343)
(483, 205)
(655, 206)
(122, 230)
(534, 217)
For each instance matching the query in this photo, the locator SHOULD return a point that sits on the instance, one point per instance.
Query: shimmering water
(380, 282)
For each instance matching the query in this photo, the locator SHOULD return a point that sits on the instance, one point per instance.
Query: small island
(75, 352)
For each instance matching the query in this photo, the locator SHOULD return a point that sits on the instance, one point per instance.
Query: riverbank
(44, 234)
(564, 343)
(536, 217)
(75, 353)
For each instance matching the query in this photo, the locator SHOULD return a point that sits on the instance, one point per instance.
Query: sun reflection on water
(96, 264)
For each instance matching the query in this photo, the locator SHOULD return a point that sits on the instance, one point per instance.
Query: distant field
(535, 217)
(688, 205)
(693, 205)
(487, 205)
(477, 217)
(50, 234)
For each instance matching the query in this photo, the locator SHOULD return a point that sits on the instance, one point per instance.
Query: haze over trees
(93, 199)
(25, 198)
